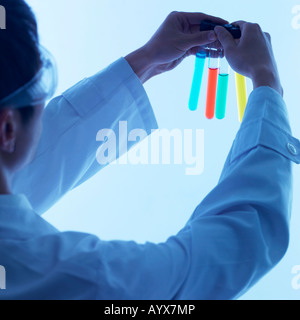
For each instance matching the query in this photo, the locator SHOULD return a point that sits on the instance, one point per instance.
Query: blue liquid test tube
(197, 80)
(222, 91)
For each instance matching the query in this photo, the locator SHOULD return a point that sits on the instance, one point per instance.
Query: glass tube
(222, 89)
(197, 80)
(213, 72)
(241, 91)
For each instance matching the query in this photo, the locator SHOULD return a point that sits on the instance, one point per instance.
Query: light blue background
(150, 203)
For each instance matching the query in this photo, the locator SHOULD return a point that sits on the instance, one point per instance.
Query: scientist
(234, 237)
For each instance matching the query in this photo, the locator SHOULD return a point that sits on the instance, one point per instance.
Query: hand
(252, 55)
(177, 38)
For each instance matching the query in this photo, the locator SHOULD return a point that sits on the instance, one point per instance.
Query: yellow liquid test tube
(242, 97)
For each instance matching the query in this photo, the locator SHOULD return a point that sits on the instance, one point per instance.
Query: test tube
(197, 80)
(213, 72)
(241, 91)
(222, 89)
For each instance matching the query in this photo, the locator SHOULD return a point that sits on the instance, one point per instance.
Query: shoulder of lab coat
(66, 155)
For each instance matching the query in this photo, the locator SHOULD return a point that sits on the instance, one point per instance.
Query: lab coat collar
(19, 221)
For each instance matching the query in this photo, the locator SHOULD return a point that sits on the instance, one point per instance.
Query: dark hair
(19, 54)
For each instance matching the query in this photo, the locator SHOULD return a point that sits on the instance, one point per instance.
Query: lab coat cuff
(267, 103)
(266, 124)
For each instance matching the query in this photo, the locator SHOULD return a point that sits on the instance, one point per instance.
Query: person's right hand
(252, 55)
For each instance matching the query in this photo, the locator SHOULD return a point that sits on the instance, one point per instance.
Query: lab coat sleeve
(241, 229)
(237, 234)
(66, 155)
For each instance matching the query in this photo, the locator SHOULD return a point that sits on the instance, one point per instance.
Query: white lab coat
(235, 236)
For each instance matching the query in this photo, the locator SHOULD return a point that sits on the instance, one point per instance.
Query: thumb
(225, 38)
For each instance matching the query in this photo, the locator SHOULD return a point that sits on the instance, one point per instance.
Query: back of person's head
(19, 53)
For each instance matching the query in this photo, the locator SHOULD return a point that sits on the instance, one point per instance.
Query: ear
(8, 130)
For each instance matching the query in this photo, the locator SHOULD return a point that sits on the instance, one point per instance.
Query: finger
(240, 23)
(225, 38)
(199, 39)
(249, 30)
(194, 28)
(247, 26)
(268, 36)
(196, 18)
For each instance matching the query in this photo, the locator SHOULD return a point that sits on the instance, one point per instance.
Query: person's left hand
(177, 38)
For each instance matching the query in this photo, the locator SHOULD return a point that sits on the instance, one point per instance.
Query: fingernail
(212, 36)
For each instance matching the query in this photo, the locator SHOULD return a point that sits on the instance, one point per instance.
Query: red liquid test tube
(212, 85)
